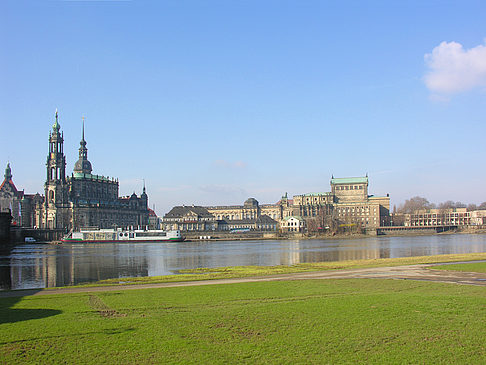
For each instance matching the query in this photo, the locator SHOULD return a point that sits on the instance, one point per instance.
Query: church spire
(83, 165)
(82, 139)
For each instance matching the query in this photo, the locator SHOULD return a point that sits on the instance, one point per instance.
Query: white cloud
(453, 69)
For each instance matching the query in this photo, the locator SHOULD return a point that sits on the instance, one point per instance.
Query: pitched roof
(266, 219)
(12, 185)
(180, 211)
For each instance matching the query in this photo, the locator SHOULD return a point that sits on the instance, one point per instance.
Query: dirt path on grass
(408, 272)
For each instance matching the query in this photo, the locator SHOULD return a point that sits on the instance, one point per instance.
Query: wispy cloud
(237, 165)
(453, 69)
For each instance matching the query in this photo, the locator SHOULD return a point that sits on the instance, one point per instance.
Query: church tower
(83, 166)
(56, 207)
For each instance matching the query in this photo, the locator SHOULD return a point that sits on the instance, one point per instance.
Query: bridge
(414, 229)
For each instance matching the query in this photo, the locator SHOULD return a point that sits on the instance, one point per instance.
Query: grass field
(247, 271)
(293, 322)
(469, 267)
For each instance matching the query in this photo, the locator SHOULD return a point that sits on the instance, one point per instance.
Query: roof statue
(56, 126)
(8, 172)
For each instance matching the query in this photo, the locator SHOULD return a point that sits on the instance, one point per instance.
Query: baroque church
(84, 199)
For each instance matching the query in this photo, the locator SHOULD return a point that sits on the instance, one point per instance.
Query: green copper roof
(350, 180)
(316, 194)
(80, 175)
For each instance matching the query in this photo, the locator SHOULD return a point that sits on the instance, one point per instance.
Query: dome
(83, 166)
(251, 202)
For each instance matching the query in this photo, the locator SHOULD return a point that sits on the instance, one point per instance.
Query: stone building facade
(197, 218)
(84, 199)
(20, 205)
(250, 209)
(189, 218)
(445, 217)
(10, 197)
(352, 204)
(348, 203)
(294, 224)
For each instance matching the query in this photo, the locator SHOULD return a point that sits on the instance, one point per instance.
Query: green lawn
(285, 322)
(469, 267)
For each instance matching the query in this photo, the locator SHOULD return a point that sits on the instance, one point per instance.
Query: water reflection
(40, 266)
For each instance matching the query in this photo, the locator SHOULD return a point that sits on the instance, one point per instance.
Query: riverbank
(221, 236)
(240, 272)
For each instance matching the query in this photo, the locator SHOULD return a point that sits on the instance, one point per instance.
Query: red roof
(10, 182)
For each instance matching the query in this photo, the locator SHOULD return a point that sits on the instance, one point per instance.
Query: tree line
(419, 203)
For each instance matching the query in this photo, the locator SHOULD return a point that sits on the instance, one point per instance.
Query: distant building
(292, 224)
(251, 215)
(478, 217)
(262, 223)
(84, 199)
(348, 202)
(189, 218)
(153, 222)
(20, 205)
(197, 218)
(10, 197)
(445, 217)
(352, 204)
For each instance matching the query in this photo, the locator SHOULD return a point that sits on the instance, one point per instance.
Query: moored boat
(120, 235)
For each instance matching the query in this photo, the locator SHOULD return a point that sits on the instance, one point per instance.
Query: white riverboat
(121, 235)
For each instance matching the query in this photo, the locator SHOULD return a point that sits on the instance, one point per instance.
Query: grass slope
(469, 267)
(294, 322)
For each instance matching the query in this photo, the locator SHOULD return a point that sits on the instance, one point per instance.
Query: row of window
(349, 187)
(355, 209)
(446, 215)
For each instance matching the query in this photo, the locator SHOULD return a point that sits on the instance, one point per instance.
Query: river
(30, 266)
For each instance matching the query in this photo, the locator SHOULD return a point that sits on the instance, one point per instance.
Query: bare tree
(312, 225)
(398, 219)
(451, 205)
(413, 204)
(447, 205)
(472, 207)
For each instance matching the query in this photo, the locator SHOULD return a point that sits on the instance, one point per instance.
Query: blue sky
(212, 102)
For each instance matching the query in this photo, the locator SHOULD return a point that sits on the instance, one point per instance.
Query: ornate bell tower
(56, 209)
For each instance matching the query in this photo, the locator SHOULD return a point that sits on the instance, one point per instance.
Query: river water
(40, 266)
